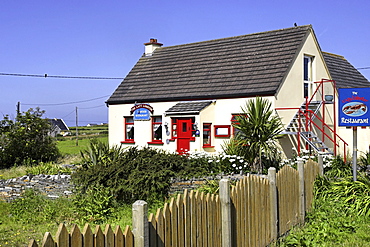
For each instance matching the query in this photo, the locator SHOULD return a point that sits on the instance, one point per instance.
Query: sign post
(354, 112)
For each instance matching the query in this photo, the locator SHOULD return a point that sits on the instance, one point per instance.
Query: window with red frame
(157, 129)
(234, 121)
(174, 128)
(129, 129)
(207, 134)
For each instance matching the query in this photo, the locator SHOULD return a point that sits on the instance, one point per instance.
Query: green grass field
(69, 145)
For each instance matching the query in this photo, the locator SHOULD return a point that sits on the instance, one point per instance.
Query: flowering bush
(221, 163)
(305, 156)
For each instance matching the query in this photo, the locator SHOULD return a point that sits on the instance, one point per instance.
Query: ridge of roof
(238, 36)
(333, 54)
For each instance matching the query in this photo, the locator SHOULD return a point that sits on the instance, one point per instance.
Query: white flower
(234, 165)
(231, 160)
(240, 167)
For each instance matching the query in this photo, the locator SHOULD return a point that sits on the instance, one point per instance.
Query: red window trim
(209, 128)
(223, 127)
(234, 121)
(128, 142)
(126, 123)
(154, 123)
(157, 142)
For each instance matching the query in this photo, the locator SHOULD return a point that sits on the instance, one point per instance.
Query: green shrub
(131, 174)
(95, 206)
(25, 140)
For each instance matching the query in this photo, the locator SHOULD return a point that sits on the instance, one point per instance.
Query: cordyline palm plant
(258, 130)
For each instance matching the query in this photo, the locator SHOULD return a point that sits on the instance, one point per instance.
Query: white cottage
(185, 97)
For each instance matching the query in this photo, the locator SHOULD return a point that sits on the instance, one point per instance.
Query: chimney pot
(151, 46)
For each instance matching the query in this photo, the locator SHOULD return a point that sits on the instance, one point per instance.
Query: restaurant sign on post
(354, 104)
(354, 112)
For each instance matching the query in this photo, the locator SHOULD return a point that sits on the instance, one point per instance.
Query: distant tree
(26, 140)
(257, 132)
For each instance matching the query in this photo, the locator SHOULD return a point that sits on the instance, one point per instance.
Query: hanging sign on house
(354, 104)
(141, 112)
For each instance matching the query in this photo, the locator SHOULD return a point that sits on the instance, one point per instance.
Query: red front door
(184, 133)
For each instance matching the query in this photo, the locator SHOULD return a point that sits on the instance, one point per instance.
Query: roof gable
(241, 66)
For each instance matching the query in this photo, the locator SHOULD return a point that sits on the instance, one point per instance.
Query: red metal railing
(309, 114)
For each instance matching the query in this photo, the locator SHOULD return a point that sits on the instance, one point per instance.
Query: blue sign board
(141, 111)
(354, 107)
(141, 114)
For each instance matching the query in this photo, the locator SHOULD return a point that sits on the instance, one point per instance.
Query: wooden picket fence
(87, 238)
(253, 213)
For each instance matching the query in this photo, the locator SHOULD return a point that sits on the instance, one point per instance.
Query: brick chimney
(151, 46)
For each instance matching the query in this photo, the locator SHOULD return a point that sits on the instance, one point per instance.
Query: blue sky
(105, 39)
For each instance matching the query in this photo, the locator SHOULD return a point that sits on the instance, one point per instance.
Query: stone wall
(52, 186)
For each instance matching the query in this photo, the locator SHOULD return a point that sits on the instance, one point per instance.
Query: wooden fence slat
(88, 236)
(187, 218)
(119, 239)
(167, 224)
(129, 237)
(62, 236)
(193, 218)
(208, 221)
(198, 208)
(48, 241)
(109, 236)
(174, 222)
(160, 228)
(76, 236)
(218, 223)
(152, 231)
(99, 237)
(203, 216)
(32, 243)
(180, 221)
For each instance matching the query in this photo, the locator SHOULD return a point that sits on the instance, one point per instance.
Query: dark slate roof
(60, 123)
(241, 66)
(344, 74)
(193, 107)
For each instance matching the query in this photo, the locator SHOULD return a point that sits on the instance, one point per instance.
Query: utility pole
(76, 127)
(18, 109)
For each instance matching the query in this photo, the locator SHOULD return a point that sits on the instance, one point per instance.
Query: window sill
(156, 143)
(207, 146)
(128, 142)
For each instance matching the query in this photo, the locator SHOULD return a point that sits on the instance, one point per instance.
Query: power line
(62, 76)
(92, 107)
(68, 103)
(364, 68)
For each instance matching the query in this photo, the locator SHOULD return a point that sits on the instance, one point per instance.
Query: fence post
(140, 225)
(301, 191)
(225, 213)
(273, 203)
(321, 165)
